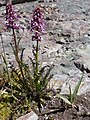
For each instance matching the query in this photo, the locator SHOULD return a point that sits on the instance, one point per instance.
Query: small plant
(25, 83)
(72, 96)
(40, 78)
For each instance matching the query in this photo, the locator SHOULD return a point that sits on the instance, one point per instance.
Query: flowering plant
(40, 77)
(26, 83)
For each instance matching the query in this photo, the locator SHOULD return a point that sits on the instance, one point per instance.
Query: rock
(3, 2)
(66, 33)
(57, 81)
(29, 116)
(84, 87)
(82, 110)
(48, 18)
(80, 66)
(85, 57)
(60, 40)
(66, 44)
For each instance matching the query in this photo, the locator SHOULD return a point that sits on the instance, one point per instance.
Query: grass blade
(64, 99)
(70, 96)
(76, 89)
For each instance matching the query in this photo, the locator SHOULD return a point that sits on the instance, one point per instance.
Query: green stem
(16, 53)
(37, 58)
(16, 46)
(37, 65)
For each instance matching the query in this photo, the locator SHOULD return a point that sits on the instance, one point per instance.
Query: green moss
(4, 111)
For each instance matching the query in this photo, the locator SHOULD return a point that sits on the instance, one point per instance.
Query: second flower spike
(37, 24)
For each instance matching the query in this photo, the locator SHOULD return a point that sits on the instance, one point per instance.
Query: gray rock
(3, 2)
(84, 87)
(29, 116)
(67, 40)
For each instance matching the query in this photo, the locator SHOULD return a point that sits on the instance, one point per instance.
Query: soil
(55, 109)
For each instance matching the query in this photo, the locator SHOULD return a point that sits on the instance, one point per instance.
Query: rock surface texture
(66, 44)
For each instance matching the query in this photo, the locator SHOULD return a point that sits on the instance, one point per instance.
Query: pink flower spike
(11, 17)
(37, 24)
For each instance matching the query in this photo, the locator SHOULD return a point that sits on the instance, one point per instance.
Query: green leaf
(48, 72)
(19, 39)
(13, 49)
(64, 99)
(21, 56)
(32, 61)
(76, 89)
(70, 96)
(4, 60)
(41, 72)
(33, 51)
(46, 77)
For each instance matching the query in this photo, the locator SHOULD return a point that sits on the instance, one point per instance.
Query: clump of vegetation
(25, 83)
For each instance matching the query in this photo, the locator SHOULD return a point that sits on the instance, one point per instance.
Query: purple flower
(37, 24)
(11, 17)
(36, 36)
